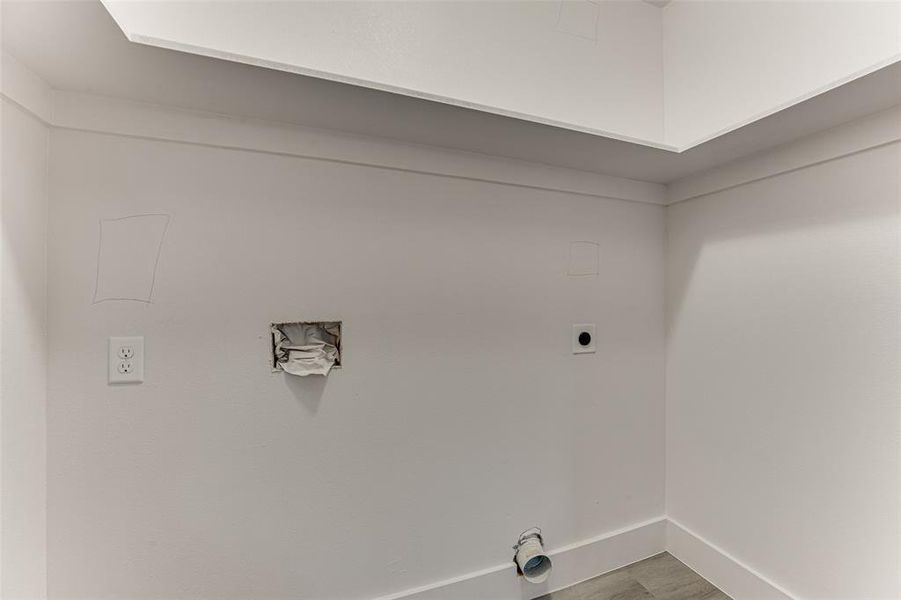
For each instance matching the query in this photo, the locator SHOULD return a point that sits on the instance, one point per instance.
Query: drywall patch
(128, 255)
(584, 258)
(578, 18)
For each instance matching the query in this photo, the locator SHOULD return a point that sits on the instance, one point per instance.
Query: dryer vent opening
(531, 560)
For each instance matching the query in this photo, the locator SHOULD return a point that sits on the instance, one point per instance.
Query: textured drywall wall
(23, 354)
(459, 418)
(730, 62)
(783, 374)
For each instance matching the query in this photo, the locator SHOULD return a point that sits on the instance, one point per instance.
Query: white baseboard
(736, 579)
(572, 564)
(589, 558)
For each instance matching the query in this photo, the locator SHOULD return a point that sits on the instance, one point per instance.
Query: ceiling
(76, 46)
(620, 69)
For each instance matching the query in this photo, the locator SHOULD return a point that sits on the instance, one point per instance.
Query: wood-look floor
(660, 577)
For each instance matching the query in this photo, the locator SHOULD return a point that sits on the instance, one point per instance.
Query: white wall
(730, 62)
(588, 65)
(23, 375)
(783, 374)
(217, 478)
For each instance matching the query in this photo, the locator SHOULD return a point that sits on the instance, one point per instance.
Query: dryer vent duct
(531, 560)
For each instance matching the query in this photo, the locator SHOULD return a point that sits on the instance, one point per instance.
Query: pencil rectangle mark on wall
(584, 258)
(578, 18)
(128, 256)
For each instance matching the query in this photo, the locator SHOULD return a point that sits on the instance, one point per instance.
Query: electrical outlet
(126, 359)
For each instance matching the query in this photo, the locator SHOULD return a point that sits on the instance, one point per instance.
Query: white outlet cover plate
(591, 347)
(126, 359)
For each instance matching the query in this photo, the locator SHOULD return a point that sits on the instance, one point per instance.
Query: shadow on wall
(742, 224)
(24, 203)
(308, 391)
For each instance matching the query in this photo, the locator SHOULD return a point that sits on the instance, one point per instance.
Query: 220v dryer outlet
(126, 359)
(583, 339)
